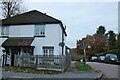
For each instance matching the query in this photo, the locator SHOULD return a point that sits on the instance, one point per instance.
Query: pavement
(71, 74)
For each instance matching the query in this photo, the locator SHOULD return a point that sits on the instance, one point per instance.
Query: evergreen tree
(101, 31)
(112, 39)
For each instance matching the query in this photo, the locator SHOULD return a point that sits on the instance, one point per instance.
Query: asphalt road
(108, 70)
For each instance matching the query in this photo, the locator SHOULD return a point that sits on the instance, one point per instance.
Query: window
(48, 50)
(40, 30)
(48, 55)
(5, 30)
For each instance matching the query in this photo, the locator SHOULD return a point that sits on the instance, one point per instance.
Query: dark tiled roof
(18, 42)
(31, 17)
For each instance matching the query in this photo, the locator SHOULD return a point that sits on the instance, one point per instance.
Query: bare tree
(10, 8)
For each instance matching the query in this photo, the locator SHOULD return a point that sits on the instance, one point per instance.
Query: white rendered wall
(1, 41)
(53, 36)
(21, 31)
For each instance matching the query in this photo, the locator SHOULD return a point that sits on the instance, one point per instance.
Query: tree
(98, 43)
(101, 31)
(118, 41)
(10, 8)
(112, 39)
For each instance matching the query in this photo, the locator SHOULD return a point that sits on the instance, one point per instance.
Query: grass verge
(31, 70)
(82, 67)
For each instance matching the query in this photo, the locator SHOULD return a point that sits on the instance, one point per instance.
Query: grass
(31, 70)
(82, 67)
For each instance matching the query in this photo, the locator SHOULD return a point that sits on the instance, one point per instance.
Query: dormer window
(40, 30)
(5, 30)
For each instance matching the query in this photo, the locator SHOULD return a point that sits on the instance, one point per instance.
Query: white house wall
(52, 38)
(1, 41)
(21, 31)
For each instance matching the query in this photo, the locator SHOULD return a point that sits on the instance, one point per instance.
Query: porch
(16, 46)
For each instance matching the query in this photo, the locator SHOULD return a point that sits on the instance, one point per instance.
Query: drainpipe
(63, 41)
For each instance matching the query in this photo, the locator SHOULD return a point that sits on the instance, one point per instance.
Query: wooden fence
(55, 62)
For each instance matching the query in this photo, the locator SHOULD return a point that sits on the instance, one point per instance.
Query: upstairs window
(40, 30)
(5, 30)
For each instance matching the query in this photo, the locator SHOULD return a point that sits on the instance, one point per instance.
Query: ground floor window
(48, 50)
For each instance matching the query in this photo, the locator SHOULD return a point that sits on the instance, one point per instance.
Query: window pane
(5, 30)
(49, 50)
(40, 30)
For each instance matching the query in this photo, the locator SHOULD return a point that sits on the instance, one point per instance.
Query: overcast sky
(81, 18)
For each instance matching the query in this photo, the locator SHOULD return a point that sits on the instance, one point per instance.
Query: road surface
(108, 70)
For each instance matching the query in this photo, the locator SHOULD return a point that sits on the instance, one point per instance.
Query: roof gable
(31, 17)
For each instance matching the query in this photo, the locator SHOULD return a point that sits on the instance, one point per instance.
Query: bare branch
(10, 8)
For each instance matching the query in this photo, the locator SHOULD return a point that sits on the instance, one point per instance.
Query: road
(108, 70)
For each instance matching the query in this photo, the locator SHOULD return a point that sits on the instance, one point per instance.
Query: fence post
(62, 63)
(3, 61)
(36, 61)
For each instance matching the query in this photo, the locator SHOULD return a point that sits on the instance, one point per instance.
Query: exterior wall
(21, 31)
(1, 53)
(53, 36)
(18, 31)
(1, 41)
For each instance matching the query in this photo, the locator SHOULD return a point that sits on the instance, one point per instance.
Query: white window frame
(39, 30)
(48, 50)
(5, 30)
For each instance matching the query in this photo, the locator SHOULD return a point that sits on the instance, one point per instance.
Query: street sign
(83, 44)
(61, 44)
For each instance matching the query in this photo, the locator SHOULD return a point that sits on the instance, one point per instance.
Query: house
(31, 33)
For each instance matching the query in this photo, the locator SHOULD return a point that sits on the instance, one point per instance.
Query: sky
(80, 17)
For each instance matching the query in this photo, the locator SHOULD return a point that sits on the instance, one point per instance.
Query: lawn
(31, 70)
(82, 67)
